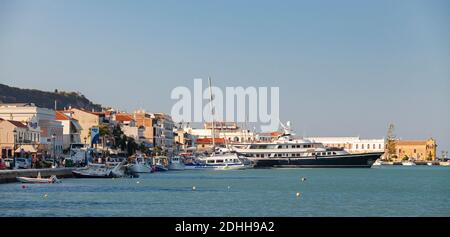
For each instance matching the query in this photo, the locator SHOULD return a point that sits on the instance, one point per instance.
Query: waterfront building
(86, 120)
(51, 131)
(206, 143)
(166, 125)
(184, 141)
(71, 129)
(149, 132)
(17, 137)
(224, 130)
(420, 150)
(352, 144)
(105, 117)
(124, 119)
(157, 129)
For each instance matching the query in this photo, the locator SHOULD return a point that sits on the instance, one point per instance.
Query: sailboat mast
(212, 116)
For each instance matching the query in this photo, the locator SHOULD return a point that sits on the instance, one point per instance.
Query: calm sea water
(380, 191)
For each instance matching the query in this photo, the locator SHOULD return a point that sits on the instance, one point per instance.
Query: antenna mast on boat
(212, 116)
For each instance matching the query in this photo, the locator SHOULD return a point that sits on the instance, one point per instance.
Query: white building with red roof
(71, 129)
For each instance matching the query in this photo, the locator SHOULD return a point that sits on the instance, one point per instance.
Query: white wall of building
(44, 117)
(352, 144)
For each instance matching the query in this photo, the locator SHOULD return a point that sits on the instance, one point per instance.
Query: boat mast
(212, 116)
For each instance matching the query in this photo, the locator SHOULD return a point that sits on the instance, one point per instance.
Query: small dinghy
(39, 179)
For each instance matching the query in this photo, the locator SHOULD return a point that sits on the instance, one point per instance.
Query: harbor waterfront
(9, 176)
(379, 191)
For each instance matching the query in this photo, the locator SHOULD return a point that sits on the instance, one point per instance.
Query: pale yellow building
(85, 119)
(423, 150)
(17, 137)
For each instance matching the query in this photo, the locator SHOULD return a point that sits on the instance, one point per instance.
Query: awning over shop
(26, 148)
(76, 125)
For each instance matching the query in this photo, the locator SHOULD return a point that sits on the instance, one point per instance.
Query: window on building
(356, 146)
(362, 146)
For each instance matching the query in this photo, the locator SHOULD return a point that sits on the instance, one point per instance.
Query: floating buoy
(45, 195)
(229, 187)
(303, 179)
(298, 194)
(23, 186)
(137, 182)
(193, 188)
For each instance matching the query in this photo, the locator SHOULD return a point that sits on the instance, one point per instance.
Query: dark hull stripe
(342, 161)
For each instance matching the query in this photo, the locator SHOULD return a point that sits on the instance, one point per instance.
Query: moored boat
(160, 163)
(176, 163)
(290, 152)
(228, 161)
(408, 163)
(102, 171)
(38, 179)
(141, 164)
(444, 163)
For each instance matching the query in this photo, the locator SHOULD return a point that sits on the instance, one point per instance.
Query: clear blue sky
(343, 67)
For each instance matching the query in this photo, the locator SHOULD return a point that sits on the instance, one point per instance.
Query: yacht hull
(215, 167)
(365, 160)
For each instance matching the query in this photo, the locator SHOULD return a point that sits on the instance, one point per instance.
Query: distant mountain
(46, 99)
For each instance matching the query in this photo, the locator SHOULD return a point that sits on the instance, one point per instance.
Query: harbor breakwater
(9, 176)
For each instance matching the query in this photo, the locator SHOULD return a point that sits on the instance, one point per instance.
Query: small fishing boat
(141, 165)
(39, 179)
(408, 163)
(444, 163)
(176, 163)
(377, 163)
(101, 171)
(160, 163)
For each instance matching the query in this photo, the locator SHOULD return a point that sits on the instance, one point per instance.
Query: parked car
(23, 163)
(8, 163)
(2, 164)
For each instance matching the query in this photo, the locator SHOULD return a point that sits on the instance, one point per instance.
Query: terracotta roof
(123, 117)
(18, 124)
(209, 140)
(61, 116)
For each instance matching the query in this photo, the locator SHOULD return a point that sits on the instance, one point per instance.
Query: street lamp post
(54, 149)
(14, 149)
